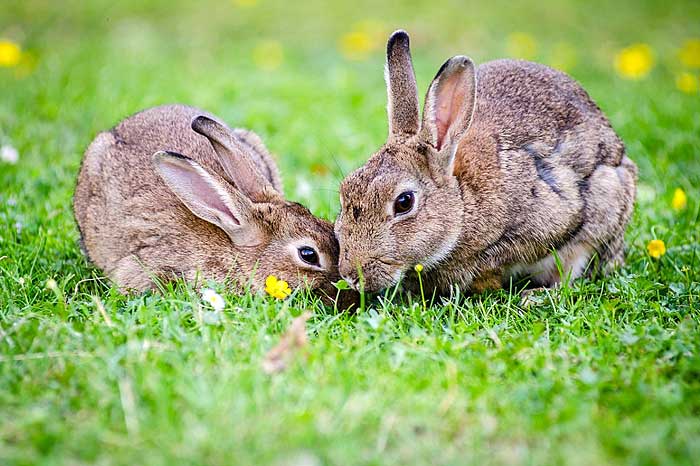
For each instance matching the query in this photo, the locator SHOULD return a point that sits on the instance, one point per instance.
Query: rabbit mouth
(379, 279)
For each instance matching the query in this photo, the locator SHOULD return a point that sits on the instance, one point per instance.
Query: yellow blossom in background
(364, 38)
(689, 54)
(656, 248)
(277, 288)
(51, 284)
(680, 200)
(687, 82)
(418, 268)
(356, 45)
(319, 169)
(268, 55)
(635, 61)
(563, 56)
(521, 45)
(10, 53)
(245, 3)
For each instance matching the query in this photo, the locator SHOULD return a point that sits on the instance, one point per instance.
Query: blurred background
(308, 76)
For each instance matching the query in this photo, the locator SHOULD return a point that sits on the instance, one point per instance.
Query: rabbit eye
(308, 255)
(404, 202)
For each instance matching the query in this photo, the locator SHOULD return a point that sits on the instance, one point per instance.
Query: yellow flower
(277, 288)
(268, 55)
(635, 61)
(521, 45)
(680, 200)
(365, 37)
(355, 45)
(690, 53)
(418, 268)
(214, 299)
(10, 53)
(656, 248)
(687, 82)
(51, 284)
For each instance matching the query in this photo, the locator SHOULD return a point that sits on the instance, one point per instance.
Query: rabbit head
(404, 206)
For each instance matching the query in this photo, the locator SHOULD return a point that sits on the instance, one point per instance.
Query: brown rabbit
(511, 162)
(216, 211)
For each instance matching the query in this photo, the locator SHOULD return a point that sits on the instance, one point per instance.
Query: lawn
(598, 372)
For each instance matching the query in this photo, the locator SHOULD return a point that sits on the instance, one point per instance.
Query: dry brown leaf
(294, 339)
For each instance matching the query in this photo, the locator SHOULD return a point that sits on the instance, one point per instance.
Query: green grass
(601, 372)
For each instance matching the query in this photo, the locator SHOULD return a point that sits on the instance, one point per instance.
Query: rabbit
(513, 172)
(173, 192)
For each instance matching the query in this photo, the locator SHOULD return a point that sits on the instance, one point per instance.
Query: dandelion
(268, 55)
(365, 37)
(656, 248)
(213, 298)
(418, 268)
(21, 281)
(10, 53)
(51, 284)
(680, 200)
(277, 288)
(687, 82)
(9, 154)
(635, 61)
(689, 54)
(521, 45)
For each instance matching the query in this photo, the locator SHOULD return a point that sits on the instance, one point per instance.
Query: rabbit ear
(235, 160)
(401, 86)
(207, 197)
(449, 105)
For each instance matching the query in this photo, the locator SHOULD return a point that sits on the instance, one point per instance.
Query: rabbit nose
(348, 272)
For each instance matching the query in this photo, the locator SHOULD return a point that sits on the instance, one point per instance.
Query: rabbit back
(555, 172)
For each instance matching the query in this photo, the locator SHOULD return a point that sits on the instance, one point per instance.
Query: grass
(600, 372)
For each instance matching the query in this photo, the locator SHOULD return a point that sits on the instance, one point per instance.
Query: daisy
(213, 298)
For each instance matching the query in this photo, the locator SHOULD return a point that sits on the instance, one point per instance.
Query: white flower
(213, 298)
(9, 154)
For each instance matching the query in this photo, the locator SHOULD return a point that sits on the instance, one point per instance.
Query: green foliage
(604, 371)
